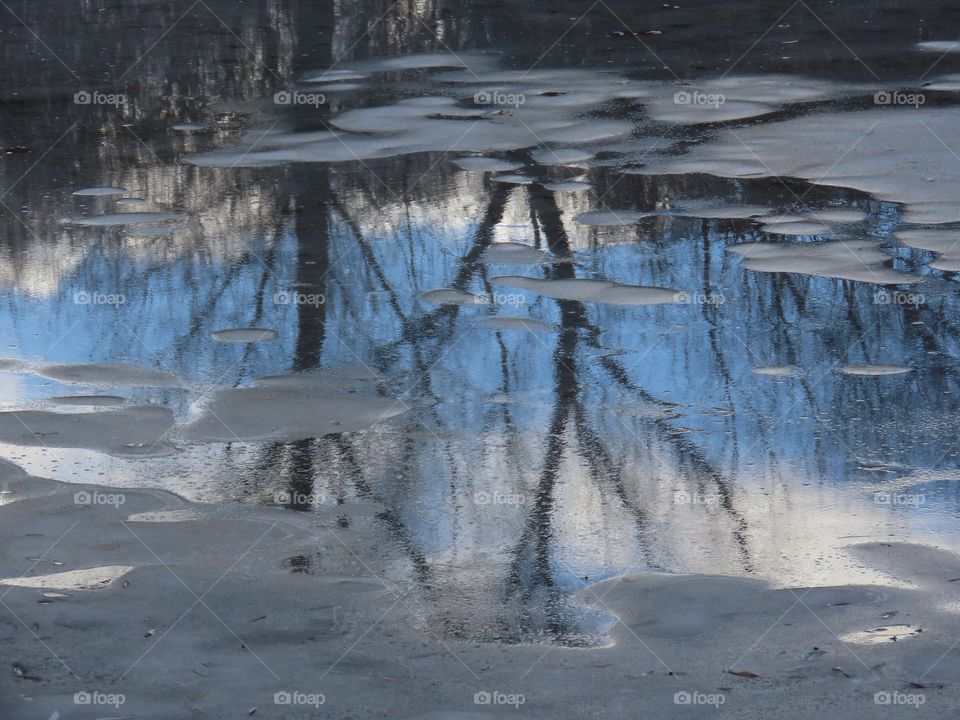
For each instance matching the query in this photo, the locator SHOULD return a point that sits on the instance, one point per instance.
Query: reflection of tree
(532, 570)
(537, 580)
(241, 226)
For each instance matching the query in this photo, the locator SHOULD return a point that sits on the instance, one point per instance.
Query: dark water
(526, 464)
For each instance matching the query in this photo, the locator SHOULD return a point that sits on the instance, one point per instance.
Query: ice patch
(334, 75)
(737, 98)
(939, 46)
(134, 218)
(298, 410)
(14, 365)
(840, 216)
(109, 375)
(874, 370)
(100, 191)
(451, 296)
(797, 228)
(778, 371)
(88, 579)
(111, 431)
(421, 124)
(588, 290)
(719, 211)
(88, 400)
(881, 635)
(570, 186)
(485, 164)
(847, 260)
(513, 179)
(945, 243)
(244, 335)
(561, 156)
(512, 253)
(898, 154)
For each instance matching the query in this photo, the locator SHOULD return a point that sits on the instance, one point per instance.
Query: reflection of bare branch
(428, 326)
(685, 451)
(604, 470)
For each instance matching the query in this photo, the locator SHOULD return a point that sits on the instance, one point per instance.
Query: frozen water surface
(553, 332)
(244, 335)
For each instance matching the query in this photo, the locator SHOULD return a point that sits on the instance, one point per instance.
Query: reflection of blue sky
(165, 320)
(790, 453)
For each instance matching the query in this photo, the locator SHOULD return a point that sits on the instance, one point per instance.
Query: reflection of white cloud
(37, 269)
(224, 219)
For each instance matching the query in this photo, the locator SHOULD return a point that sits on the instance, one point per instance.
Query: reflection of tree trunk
(395, 526)
(687, 453)
(531, 574)
(312, 229)
(313, 255)
(311, 185)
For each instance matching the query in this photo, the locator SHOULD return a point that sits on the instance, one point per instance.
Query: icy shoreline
(212, 620)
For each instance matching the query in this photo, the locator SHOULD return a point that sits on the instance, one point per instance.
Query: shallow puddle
(533, 316)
